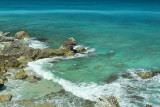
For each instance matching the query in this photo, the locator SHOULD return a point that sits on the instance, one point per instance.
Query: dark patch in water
(111, 79)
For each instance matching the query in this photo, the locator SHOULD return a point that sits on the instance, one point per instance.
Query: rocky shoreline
(16, 55)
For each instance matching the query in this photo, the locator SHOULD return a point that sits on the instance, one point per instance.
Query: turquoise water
(128, 38)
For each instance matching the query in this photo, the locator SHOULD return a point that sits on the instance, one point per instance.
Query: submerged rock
(21, 35)
(107, 101)
(112, 78)
(120, 65)
(97, 66)
(145, 75)
(110, 53)
(127, 75)
(5, 98)
(32, 78)
(20, 75)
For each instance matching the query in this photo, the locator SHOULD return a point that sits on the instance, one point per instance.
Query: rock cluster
(14, 55)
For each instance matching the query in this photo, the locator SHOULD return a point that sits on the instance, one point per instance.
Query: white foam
(90, 91)
(34, 43)
(93, 91)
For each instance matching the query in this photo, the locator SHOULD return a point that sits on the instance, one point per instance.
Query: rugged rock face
(5, 98)
(107, 101)
(7, 34)
(68, 44)
(145, 75)
(21, 35)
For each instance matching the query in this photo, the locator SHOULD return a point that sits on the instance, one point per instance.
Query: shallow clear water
(133, 36)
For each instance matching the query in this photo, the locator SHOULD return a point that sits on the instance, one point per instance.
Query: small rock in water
(110, 53)
(97, 66)
(120, 65)
(107, 101)
(21, 35)
(112, 78)
(139, 98)
(5, 98)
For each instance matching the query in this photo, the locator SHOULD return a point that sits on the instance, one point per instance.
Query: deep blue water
(148, 5)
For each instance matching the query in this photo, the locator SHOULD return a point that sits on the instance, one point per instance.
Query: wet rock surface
(5, 98)
(145, 75)
(107, 101)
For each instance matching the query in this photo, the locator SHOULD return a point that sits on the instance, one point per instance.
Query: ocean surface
(119, 40)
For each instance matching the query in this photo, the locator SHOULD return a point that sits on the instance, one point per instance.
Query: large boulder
(5, 98)
(68, 44)
(107, 101)
(20, 75)
(21, 35)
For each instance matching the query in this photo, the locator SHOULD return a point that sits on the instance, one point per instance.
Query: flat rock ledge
(107, 101)
(5, 98)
